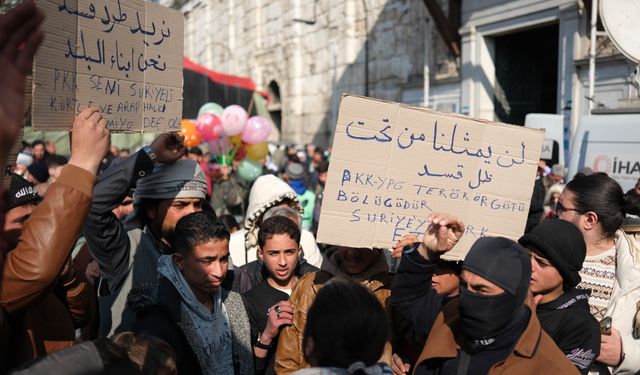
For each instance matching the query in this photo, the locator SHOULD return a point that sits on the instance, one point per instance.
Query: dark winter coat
(533, 353)
(412, 295)
(416, 303)
(570, 324)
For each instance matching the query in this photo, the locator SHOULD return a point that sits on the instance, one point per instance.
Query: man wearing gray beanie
(166, 189)
(557, 250)
(489, 329)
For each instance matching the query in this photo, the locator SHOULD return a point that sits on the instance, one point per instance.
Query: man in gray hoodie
(267, 193)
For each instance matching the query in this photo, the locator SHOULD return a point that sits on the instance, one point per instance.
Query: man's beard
(168, 236)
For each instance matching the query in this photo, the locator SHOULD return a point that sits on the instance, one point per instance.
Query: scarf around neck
(208, 332)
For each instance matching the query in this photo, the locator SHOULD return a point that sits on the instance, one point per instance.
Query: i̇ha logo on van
(622, 166)
(602, 163)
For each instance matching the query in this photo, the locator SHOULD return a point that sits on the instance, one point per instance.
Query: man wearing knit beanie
(489, 328)
(166, 189)
(557, 250)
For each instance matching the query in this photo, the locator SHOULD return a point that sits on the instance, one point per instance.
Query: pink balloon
(233, 120)
(209, 126)
(257, 130)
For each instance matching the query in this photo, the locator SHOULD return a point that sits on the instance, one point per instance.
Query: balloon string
(234, 152)
(250, 105)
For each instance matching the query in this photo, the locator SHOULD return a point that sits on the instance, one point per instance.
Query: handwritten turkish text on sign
(123, 57)
(392, 165)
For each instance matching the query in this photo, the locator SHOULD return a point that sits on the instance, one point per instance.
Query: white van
(608, 143)
(554, 132)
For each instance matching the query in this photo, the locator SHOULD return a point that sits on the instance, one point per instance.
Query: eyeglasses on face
(560, 209)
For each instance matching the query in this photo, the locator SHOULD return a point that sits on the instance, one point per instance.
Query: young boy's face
(544, 276)
(445, 281)
(280, 255)
(206, 266)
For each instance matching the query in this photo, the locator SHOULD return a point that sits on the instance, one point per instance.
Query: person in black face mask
(489, 329)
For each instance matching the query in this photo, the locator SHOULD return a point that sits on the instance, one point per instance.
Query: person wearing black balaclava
(489, 328)
(557, 252)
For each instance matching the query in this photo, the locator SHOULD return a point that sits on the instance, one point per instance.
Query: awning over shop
(202, 85)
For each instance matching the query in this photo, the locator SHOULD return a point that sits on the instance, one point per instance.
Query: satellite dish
(621, 19)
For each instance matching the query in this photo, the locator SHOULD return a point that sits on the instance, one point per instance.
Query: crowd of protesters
(163, 261)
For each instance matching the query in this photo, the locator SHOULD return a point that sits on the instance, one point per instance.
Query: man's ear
(260, 254)
(178, 259)
(151, 212)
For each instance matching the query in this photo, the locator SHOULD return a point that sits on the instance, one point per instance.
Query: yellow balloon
(236, 140)
(257, 152)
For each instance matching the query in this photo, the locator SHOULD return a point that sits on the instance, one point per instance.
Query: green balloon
(211, 107)
(249, 170)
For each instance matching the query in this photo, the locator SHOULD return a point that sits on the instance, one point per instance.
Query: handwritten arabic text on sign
(392, 165)
(123, 57)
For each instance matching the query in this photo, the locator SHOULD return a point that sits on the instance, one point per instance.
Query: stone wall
(314, 50)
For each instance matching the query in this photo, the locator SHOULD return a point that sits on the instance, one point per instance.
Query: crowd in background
(303, 167)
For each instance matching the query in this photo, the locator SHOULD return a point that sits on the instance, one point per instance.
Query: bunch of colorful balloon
(230, 135)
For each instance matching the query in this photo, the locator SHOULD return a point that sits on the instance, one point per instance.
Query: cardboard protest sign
(392, 165)
(123, 57)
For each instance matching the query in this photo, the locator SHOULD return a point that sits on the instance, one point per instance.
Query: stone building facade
(565, 24)
(307, 53)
